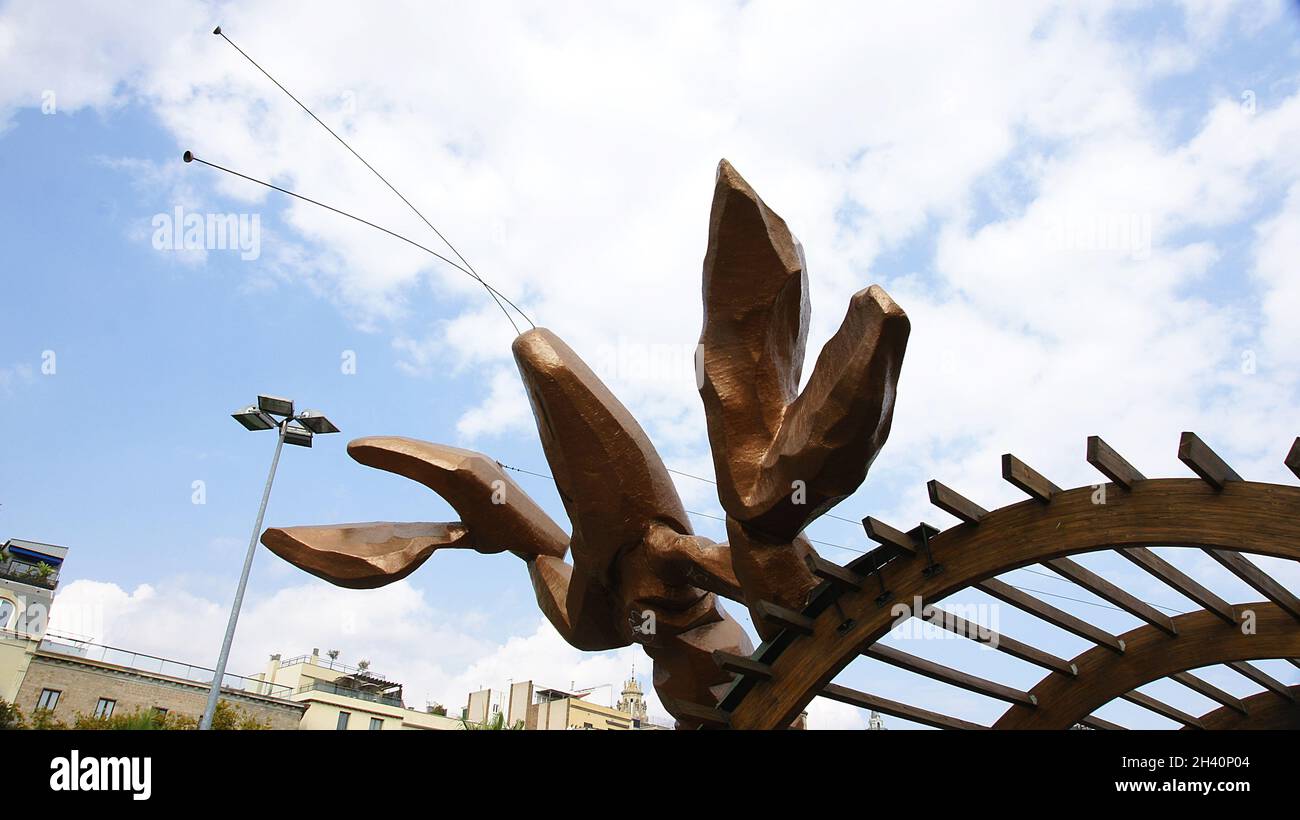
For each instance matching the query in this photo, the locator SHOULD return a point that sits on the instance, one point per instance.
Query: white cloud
(437, 655)
(13, 375)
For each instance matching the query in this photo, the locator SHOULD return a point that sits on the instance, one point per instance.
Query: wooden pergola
(1218, 512)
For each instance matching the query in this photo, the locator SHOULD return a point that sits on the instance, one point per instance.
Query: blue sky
(574, 169)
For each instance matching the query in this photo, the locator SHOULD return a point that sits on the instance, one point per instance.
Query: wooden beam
(1027, 479)
(1165, 709)
(1263, 678)
(1110, 464)
(1016, 649)
(1094, 722)
(1056, 617)
(1210, 691)
(884, 534)
(1203, 640)
(946, 674)
(1180, 581)
(843, 694)
(1107, 591)
(1293, 458)
(777, 615)
(1245, 569)
(830, 571)
(741, 665)
(1205, 462)
(950, 501)
(1266, 712)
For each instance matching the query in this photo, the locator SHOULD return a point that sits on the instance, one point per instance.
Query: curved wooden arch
(1243, 516)
(1265, 710)
(1202, 639)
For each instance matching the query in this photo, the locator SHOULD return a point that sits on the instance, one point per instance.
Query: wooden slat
(1110, 464)
(1242, 567)
(1094, 722)
(1183, 583)
(946, 674)
(1056, 617)
(1107, 591)
(1027, 479)
(952, 502)
(893, 708)
(830, 571)
(1165, 709)
(741, 665)
(1263, 678)
(777, 615)
(1205, 462)
(1293, 458)
(1210, 691)
(1016, 649)
(882, 533)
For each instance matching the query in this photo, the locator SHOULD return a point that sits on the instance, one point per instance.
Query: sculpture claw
(362, 556)
(499, 514)
(496, 515)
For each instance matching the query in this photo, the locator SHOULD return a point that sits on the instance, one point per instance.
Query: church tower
(633, 700)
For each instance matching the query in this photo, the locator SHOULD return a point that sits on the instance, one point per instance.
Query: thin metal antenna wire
(468, 268)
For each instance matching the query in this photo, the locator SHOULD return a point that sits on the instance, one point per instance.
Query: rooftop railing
(325, 662)
(152, 664)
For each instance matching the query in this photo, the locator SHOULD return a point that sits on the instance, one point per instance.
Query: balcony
(37, 575)
(350, 692)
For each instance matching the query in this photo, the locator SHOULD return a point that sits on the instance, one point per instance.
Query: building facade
(547, 708)
(336, 696)
(72, 678)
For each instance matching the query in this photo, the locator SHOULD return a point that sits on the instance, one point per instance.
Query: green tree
(45, 719)
(228, 717)
(496, 723)
(11, 717)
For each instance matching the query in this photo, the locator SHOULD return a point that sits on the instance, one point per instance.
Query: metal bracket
(922, 534)
(885, 595)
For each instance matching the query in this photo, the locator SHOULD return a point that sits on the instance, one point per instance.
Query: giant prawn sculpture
(782, 459)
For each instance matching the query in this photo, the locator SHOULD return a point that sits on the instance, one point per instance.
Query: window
(376, 724)
(6, 612)
(343, 720)
(49, 699)
(104, 709)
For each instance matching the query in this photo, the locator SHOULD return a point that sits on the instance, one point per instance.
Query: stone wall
(82, 683)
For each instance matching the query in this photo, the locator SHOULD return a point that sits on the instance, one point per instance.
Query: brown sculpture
(638, 573)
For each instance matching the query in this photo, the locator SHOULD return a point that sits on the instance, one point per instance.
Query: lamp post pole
(270, 413)
(215, 693)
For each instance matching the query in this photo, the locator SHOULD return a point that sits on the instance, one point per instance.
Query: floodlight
(315, 421)
(297, 436)
(276, 405)
(253, 419)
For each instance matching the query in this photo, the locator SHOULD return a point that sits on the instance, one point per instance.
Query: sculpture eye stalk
(784, 458)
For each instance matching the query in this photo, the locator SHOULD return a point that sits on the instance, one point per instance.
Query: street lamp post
(270, 413)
